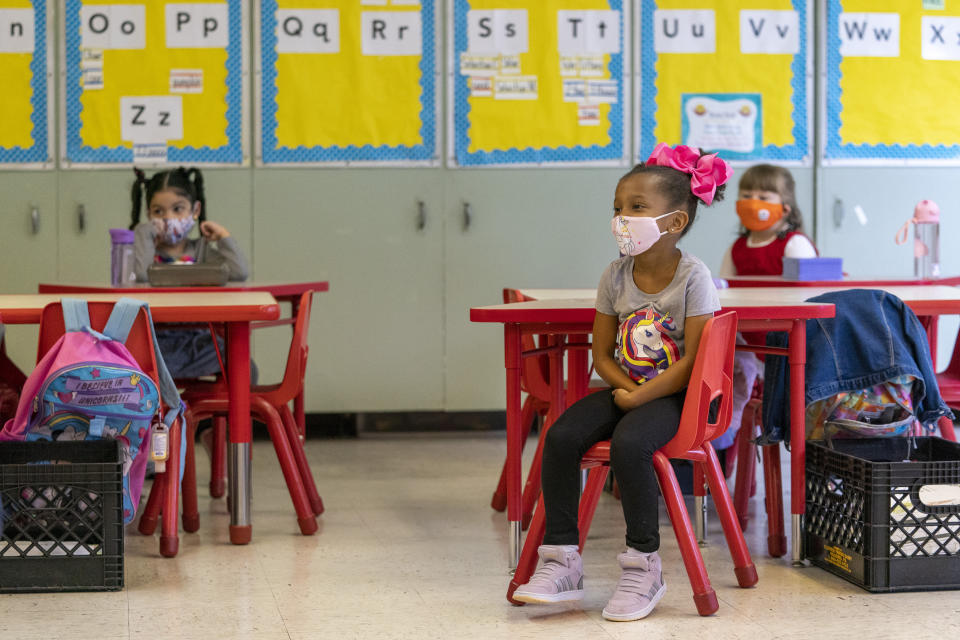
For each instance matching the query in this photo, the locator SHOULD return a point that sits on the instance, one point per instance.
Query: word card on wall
(892, 82)
(732, 76)
(153, 82)
(347, 81)
(24, 75)
(537, 82)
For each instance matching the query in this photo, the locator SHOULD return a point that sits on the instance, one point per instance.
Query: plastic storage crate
(62, 516)
(865, 518)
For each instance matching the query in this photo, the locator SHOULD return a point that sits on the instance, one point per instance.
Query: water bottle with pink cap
(926, 239)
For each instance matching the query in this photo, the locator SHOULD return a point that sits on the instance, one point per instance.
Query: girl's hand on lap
(625, 400)
(213, 231)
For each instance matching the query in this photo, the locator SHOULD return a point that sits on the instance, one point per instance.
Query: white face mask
(636, 234)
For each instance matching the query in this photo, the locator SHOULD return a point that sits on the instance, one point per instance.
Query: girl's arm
(144, 248)
(673, 378)
(228, 251)
(799, 246)
(604, 341)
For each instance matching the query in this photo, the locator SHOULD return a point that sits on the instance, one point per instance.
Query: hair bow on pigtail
(707, 172)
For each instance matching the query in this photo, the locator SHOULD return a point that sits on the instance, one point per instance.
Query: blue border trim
(755, 98)
(797, 151)
(426, 150)
(612, 151)
(231, 153)
(39, 150)
(835, 149)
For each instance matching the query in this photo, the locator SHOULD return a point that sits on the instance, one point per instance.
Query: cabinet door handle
(421, 215)
(81, 218)
(467, 215)
(35, 219)
(838, 213)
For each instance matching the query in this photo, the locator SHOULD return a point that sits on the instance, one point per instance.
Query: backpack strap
(118, 327)
(76, 317)
(121, 319)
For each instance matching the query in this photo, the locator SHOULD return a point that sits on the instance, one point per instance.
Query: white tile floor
(409, 548)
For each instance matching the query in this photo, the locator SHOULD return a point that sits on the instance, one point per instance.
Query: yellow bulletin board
(347, 82)
(154, 82)
(733, 76)
(535, 82)
(892, 82)
(25, 69)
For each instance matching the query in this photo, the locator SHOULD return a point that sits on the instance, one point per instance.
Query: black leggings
(634, 437)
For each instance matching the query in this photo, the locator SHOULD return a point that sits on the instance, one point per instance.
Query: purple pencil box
(813, 268)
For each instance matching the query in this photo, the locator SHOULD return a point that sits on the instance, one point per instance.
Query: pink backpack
(88, 386)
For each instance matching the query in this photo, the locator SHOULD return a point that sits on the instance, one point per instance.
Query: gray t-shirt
(650, 337)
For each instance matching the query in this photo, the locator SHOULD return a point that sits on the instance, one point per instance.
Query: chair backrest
(712, 378)
(535, 370)
(139, 341)
(293, 375)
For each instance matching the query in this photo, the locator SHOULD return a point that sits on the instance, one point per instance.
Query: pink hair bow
(706, 172)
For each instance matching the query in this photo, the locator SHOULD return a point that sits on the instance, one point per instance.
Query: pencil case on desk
(188, 275)
(813, 268)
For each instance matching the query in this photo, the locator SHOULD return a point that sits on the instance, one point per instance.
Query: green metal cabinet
(376, 341)
(28, 246)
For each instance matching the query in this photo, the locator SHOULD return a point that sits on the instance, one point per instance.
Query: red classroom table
(571, 312)
(282, 291)
(234, 309)
(848, 282)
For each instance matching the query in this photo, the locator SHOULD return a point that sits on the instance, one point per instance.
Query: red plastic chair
(535, 381)
(712, 378)
(269, 404)
(949, 383)
(745, 486)
(534, 374)
(140, 345)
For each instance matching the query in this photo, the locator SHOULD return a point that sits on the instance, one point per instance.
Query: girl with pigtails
(175, 204)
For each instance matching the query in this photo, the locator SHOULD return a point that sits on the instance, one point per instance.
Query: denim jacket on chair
(874, 337)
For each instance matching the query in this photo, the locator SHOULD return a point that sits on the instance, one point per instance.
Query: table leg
(798, 433)
(238, 378)
(511, 353)
(578, 371)
(299, 414)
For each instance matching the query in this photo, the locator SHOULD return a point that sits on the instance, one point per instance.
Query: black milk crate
(867, 522)
(62, 516)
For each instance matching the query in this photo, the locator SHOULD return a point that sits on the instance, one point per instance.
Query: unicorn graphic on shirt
(644, 346)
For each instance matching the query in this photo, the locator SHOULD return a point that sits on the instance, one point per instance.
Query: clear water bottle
(926, 239)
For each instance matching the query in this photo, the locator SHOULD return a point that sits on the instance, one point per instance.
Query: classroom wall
(393, 334)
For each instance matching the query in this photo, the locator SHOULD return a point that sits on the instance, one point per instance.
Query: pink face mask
(636, 234)
(176, 229)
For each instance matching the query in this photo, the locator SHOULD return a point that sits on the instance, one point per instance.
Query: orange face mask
(757, 215)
